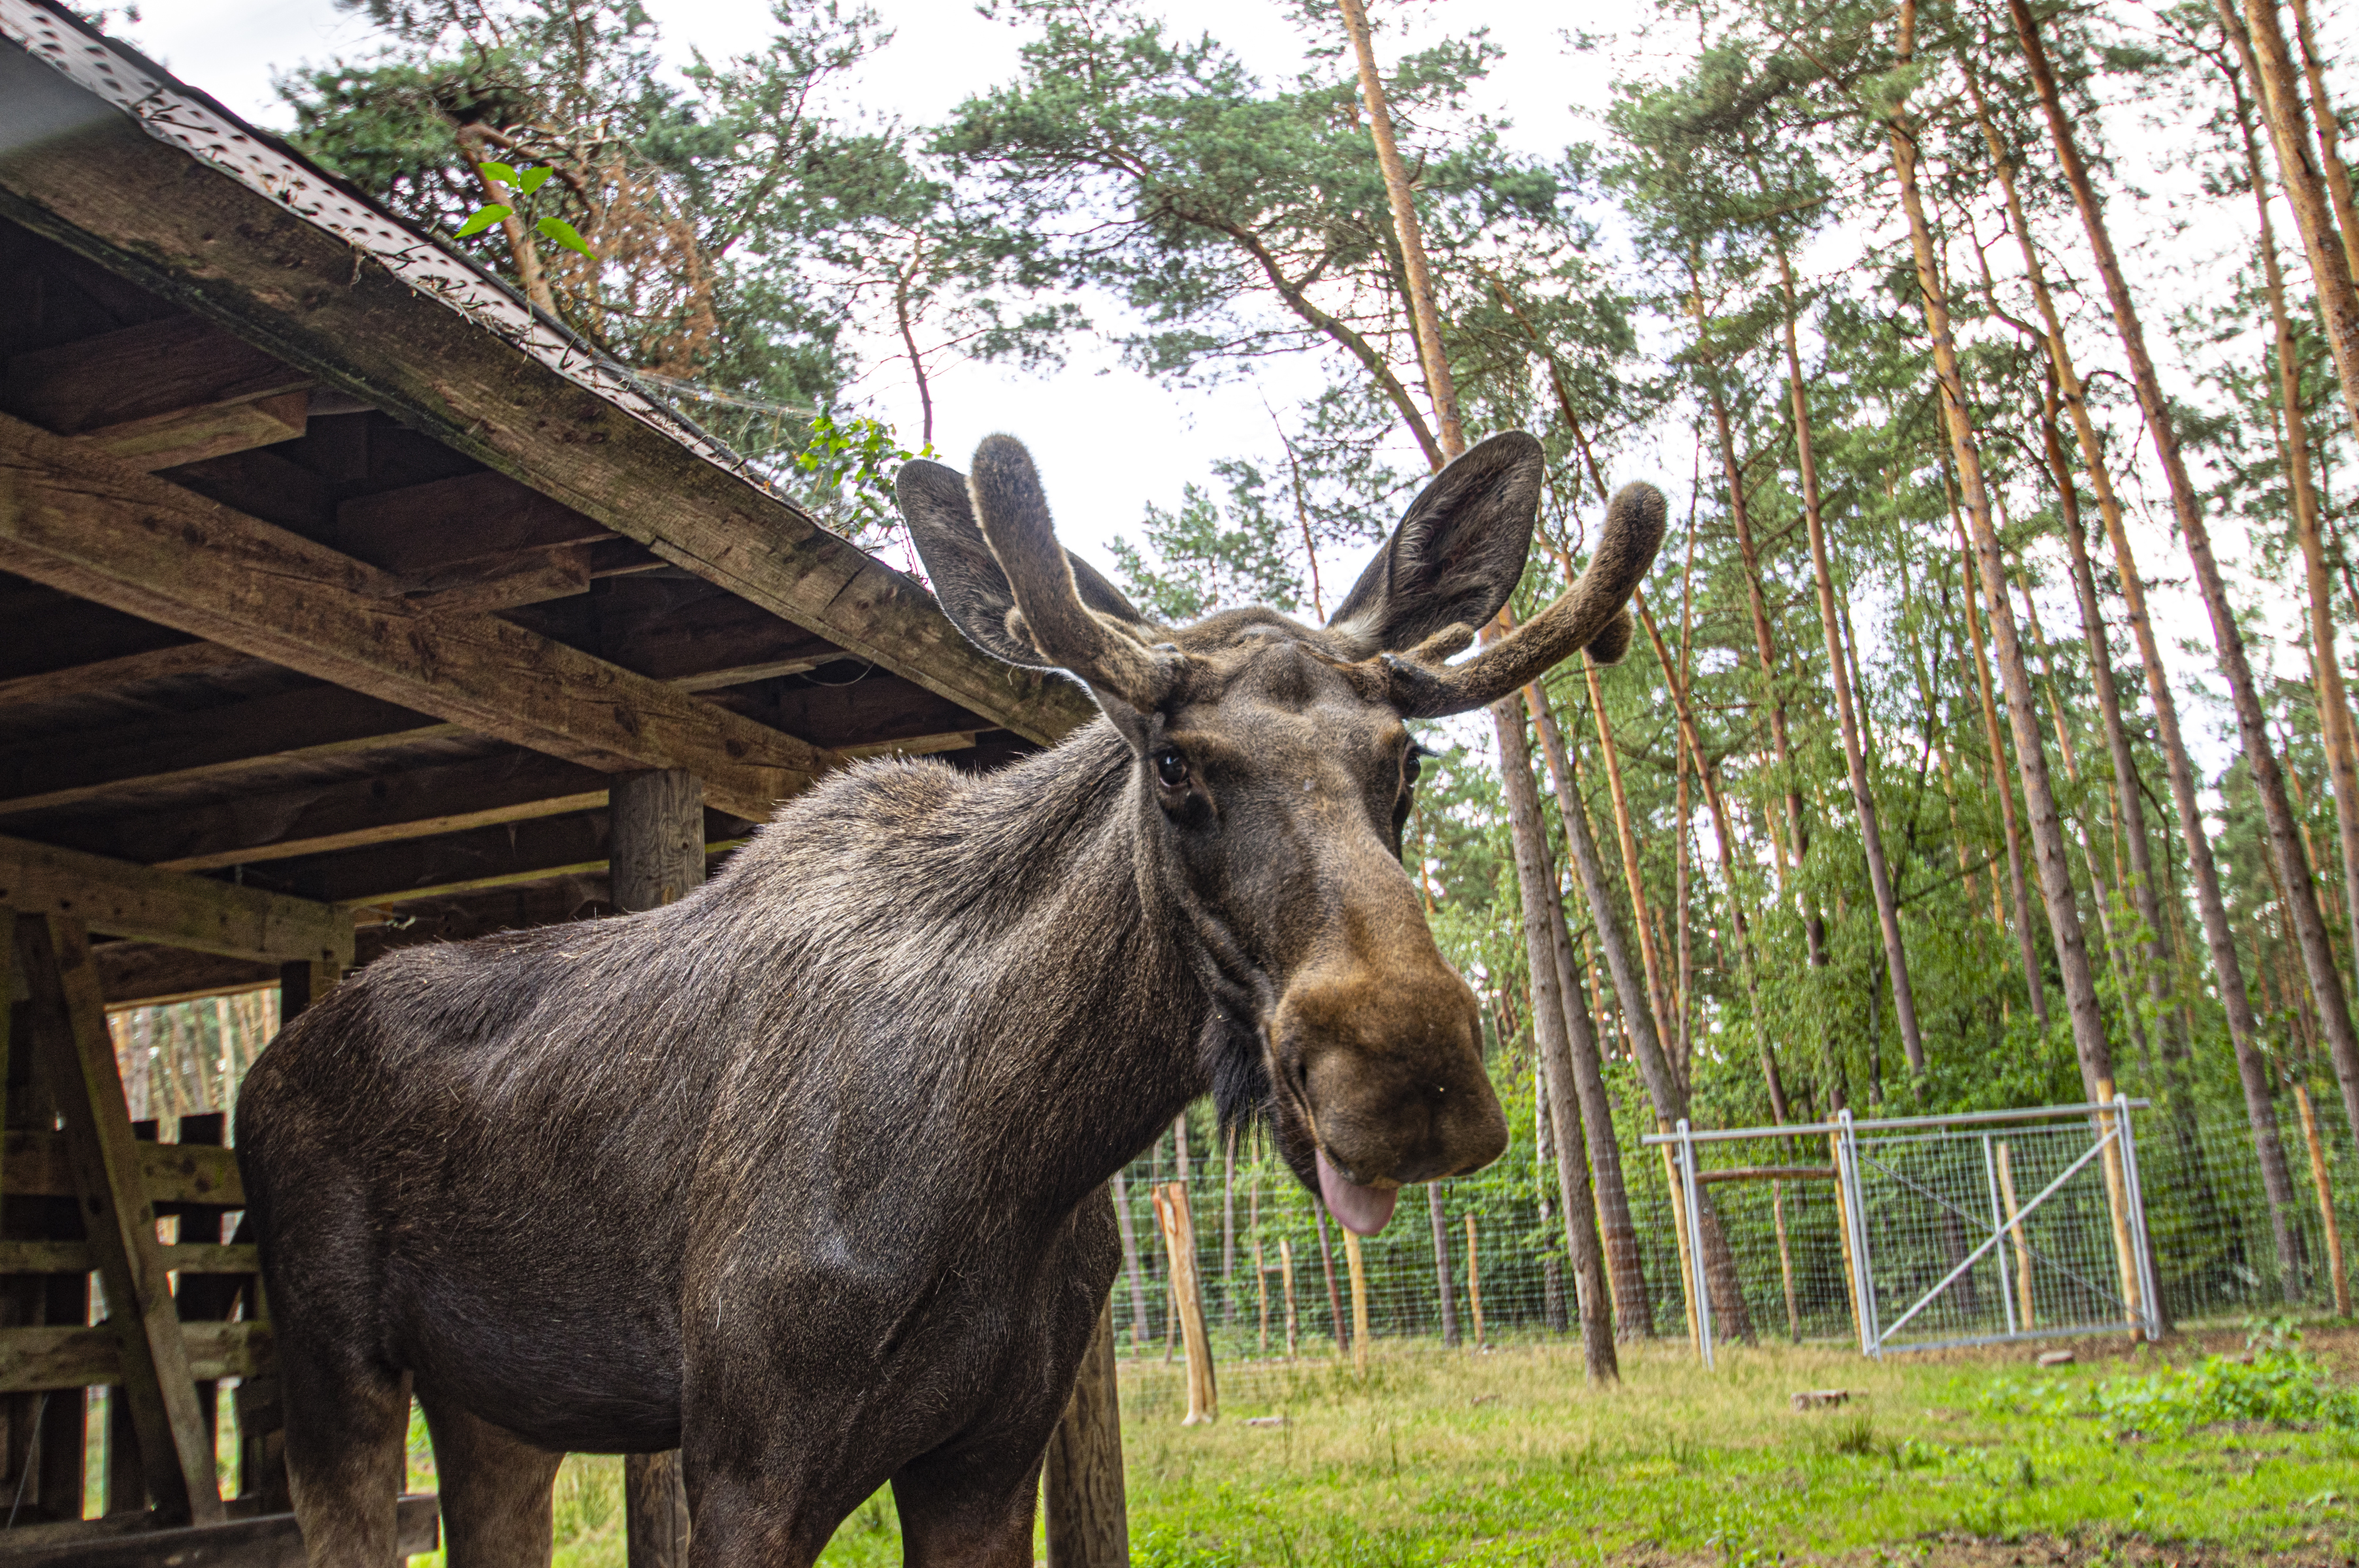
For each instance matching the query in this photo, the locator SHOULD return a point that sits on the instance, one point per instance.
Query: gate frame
(2111, 1121)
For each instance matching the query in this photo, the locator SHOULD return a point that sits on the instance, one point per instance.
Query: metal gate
(1969, 1229)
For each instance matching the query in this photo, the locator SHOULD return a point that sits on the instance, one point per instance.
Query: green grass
(1508, 1458)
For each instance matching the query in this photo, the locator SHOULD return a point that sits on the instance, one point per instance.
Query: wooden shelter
(346, 602)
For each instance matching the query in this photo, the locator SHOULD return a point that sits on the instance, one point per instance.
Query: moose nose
(1391, 1064)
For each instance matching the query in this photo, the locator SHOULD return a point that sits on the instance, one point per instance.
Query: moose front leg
(970, 1507)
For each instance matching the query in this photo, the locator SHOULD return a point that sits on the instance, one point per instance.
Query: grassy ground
(1504, 1458)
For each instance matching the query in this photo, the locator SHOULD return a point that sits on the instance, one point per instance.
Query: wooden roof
(335, 580)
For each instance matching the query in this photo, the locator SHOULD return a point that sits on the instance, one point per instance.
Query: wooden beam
(260, 1540)
(349, 813)
(76, 1257)
(160, 394)
(149, 973)
(169, 440)
(108, 190)
(113, 674)
(530, 850)
(217, 744)
(33, 1359)
(94, 529)
(33, 1164)
(424, 528)
(170, 906)
(77, 1057)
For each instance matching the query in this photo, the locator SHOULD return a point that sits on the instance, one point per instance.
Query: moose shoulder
(803, 1174)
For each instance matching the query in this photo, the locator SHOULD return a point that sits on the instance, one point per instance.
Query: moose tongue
(1361, 1210)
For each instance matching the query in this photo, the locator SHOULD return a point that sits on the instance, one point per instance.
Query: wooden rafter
(161, 394)
(87, 526)
(143, 208)
(170, 906)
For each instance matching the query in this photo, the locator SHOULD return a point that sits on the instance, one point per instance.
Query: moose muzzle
(1386, 1060)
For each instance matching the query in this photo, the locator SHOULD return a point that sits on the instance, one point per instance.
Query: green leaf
(532, 180)
(498, 173)
(560, 231)
(484, 220)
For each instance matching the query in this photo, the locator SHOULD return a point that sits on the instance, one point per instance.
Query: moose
(804, 1174)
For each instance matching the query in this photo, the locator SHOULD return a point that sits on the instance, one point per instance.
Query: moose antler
(1588, 615)
(1013, 512)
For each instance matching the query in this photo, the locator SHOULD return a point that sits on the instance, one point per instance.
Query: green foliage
(2274, 1383)
(844, 473)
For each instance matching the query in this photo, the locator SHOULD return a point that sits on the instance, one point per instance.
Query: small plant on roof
(524, 182)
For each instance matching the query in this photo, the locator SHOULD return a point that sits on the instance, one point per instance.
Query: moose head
(1272, 771)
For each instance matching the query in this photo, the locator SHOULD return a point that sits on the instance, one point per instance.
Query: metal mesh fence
(1930, 1201)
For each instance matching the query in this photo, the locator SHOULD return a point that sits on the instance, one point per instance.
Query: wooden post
(2325, 1190)
(1089, 1518)
(1680, 1236)
(655, 1510)
(655, 849)
(1327, 1261)
(1474, 1280)
(1359, 1299)
(1129, 1233)
(1786, 1261)
(1843, 1229)
(1442, 1286)
(1286, 1278)
(78, 1056)
(2023, 1296)
(1180, 1241)
(2118, 1202)
(1261, 1296)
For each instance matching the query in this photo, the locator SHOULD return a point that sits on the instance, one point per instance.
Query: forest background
(1955, 330)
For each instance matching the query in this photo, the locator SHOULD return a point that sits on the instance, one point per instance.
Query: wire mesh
(1773, 1218)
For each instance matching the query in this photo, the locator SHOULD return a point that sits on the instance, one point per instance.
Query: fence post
(1696, 1280)
(1681, 1237)
(2325, 1202)
(2022, 1247)
(2140, 1243)
(1474, 1279)
(1286, 1278)
(1998, 1227)
(1843, 1234)
(1359, 1299)
(1871, 1340)
(1786, 1262)
(2116, 1204)
(1179, 1238)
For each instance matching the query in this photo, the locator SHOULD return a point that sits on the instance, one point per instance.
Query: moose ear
(1457, 554)
(969, 579)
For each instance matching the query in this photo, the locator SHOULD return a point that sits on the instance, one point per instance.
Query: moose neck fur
(997, 944)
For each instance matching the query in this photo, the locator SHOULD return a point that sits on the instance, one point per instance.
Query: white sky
(1110, 441)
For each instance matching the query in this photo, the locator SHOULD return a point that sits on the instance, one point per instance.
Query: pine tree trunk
(2336, 725)
(1590, 1288)
(2252, 724)
(1632, 1308)
(2035, 981)
(2031, 759)
(2211, 908)
(1664, 1089)
(1626, 839)
(1722, 833)
(1879, 876)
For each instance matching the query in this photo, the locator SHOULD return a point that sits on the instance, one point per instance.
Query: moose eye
(1413, 765)
(1172, 768)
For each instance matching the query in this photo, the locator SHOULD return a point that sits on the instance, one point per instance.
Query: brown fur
(805, 1173)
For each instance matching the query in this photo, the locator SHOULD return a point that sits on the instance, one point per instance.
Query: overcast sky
(1109, 440)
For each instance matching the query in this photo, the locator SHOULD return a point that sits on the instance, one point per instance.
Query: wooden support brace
(172, 907)
(1089, 1520)
(78, 1060)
